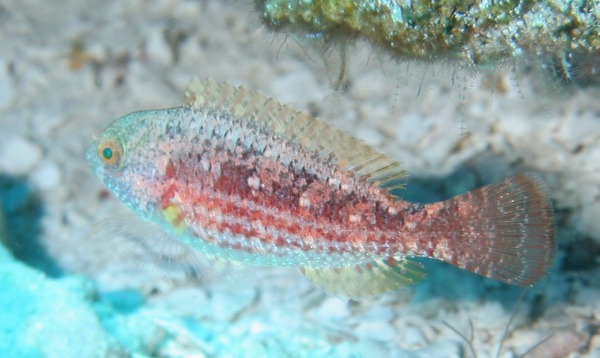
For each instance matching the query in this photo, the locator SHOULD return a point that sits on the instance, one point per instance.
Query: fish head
(127, 157)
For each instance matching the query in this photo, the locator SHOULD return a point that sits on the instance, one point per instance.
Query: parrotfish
(235, 175)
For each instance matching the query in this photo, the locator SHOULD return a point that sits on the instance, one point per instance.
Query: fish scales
(236, 175)
(221, 183)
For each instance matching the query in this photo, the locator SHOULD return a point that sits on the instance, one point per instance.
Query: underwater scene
(270, 178)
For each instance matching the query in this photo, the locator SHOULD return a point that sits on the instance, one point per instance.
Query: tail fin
(507, 231)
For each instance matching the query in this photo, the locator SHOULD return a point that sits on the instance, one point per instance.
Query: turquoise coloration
(107, 153)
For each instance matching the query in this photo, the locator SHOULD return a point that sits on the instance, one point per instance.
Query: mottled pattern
(560, 33)
(240, 184)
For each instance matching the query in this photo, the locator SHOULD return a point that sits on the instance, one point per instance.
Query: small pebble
(444, 349)
(575, 130)
(157, 47)
(298, 89)
(411, 337)
(411, 129)
(18, 156)
(46, 177)
(16, 197)
(333, 309)
(365, 348)
(46, 120)
(3, 233)
(370, 84)
(371, 136)
(560, 344)
(6, 89)
(438, 145)
(182, 301)
(380, 331)
(515, 128)
(589, 219)
(224, 306)
(379, 313)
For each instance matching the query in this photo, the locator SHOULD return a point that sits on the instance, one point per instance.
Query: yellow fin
(368, 279)
(296, 127)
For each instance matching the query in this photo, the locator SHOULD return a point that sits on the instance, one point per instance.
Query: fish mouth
(91, 149)
(95, 163)
(91, 155)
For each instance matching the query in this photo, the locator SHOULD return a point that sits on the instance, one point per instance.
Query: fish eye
(111, 153)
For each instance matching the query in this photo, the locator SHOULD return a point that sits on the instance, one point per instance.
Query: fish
(235, 175)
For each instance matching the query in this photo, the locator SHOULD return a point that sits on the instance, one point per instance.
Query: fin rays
(303, 129)
(368, 279)
(147, 246)
(513, 238)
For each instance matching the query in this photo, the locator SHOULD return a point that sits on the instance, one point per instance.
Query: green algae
(562, 35)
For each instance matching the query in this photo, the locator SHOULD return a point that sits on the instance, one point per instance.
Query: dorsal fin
(297, 127)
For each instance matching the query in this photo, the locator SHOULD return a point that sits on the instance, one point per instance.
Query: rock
(332, 309)
(575, 130)
(589, 222)
(183, 301)
(3, 231)
(370, 83)
(298, 88)
(560, 344)
(125, 300)
(17, 197)
(411, 129)
(47, 119)
(412, 337)
(365, 348)
(46, 177)
(437, 146)
(6, 89)
(18, 156)
(371, 136)
(444, 349)
(41, 315)
(149, 90)
(376, 330)
(224, 306)
(379, 313)
(157, 46)
(151, 333)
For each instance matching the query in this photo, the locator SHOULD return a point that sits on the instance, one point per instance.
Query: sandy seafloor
(69, 68)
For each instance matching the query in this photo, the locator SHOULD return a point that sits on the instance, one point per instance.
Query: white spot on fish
(304, 202)
(354, 218)
(254, 183)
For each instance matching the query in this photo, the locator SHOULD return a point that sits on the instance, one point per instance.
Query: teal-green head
(127, 159)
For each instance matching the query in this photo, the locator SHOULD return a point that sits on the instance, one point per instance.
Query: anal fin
(367, 279)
